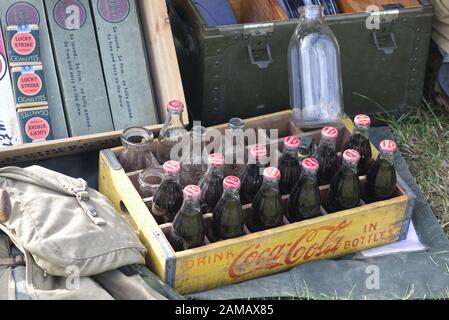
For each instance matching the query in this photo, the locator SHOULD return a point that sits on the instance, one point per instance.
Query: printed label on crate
(70, 14)
(35, 124)
(29, 86)
(22, 13)
(287, 246)
(9, 126)
(23, 44)
(113, 11)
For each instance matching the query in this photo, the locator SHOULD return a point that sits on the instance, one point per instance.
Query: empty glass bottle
(168, 198)
(192, 164)
(234, 147)
(251, 174)
(137, 155)
(188, 229)
(211, 183)
(314, 71)
(289, 166)
(345, 187)
(227, 218)
(172, 131)
(267, 205)
(326, 155)
(305, 199)
(381, 178)
(359, 141)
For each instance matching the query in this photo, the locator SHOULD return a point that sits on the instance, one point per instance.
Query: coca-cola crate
(260, 253)
(167, 85)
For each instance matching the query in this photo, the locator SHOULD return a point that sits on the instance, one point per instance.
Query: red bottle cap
(175, 105)
(362, 120)
(216, 160)
(192, 192)
(310, 164)
(172, 167)
(272, 174)
(258, 152)
(351, 155)
(291, 142)
(231, 182)
(330, 132)
(388, 146)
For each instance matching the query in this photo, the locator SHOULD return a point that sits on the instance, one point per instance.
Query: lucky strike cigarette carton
(35, 124)
(23, 45)
(29, 86)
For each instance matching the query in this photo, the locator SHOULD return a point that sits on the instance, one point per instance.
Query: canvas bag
(64, 224)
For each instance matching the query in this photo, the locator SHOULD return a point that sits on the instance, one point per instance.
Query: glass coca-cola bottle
(381, 178)
(168, 197)
(211, 183)
(305, 199)
(359, 141)
(345, 186)
(326, 155)
(192, 164)
(289, 165)
(234, 147)
(227, 217)
(267, 205)
(188, 229)
(172, 131)
(251, 176)
(138, 144)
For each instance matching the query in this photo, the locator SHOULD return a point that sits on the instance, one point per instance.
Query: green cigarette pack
(79, 66)
(35, 124)
(29, 12)
(29, 86)
(23, 45)
(126, 71)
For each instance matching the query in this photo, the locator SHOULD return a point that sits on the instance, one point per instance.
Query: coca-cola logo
(305, 248)
(3, 67)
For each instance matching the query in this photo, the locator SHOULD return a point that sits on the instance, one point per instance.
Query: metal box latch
(383, 35)
(257, 37)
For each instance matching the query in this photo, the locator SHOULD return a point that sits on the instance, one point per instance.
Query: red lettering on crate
(304, 248)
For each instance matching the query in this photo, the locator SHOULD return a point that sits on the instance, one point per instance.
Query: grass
(423, 139)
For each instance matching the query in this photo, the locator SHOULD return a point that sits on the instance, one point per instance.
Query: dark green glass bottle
(289, 165)
(267, 205)
(326, 155)
(305, 199)
(188, 230)
(359, 141)
(227, 218)
(211, 183)
(168, 198)
(381, 178)
(345, 187)
(251, 175)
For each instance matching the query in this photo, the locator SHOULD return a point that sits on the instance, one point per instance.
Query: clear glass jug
(314, 71)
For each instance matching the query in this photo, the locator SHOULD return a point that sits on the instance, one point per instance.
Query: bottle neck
(388, 156)
(231, 194)
(311, 14)
(291, 152)
(174, 119)
(307, 175)
(349, 167)
(214, 170)
(189, 204)
(171, 177)
(328, 142)
(270, 184)
(361, 130)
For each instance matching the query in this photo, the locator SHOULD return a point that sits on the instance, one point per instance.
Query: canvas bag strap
(48, 179)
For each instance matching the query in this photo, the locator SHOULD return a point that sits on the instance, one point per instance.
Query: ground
(423, 139)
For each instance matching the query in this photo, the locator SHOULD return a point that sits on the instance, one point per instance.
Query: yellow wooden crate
(256, 254)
